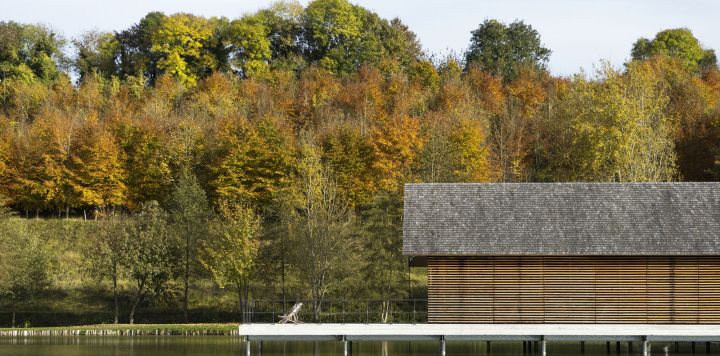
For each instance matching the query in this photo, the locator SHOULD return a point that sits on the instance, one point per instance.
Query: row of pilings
(102, 332)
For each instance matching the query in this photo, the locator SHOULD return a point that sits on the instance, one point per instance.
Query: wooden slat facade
(579, 289)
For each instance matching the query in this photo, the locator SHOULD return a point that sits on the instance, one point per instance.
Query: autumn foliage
(246, 105)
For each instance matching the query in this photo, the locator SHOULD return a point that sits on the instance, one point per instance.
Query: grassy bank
(127, 329)
(77, 296)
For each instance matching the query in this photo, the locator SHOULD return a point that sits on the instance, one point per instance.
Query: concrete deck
(479, 332)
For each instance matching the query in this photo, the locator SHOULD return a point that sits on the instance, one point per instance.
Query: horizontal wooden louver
(635, 289)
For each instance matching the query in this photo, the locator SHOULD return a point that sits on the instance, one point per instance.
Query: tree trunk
(246, 288)
(187, 275)
(132, 310)
(67, 211)
(13, 313)
(136, 301)
(317, 309)
(238, 285)
(117, 307)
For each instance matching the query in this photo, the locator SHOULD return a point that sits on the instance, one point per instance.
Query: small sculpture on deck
(292, 316)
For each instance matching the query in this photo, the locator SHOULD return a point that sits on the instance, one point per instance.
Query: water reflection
(232, 345)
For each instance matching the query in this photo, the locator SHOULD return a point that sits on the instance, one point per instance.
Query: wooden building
(567, 252)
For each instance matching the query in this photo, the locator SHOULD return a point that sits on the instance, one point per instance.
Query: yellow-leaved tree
(396, 143)
(185, 41)
(621, 133)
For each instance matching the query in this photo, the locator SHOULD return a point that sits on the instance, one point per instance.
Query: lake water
(232, 345)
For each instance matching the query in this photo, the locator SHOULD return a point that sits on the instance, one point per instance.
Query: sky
(579, 32)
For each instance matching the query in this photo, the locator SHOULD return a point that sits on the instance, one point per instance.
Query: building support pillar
(607, 347)
(247, 347)
(442, 345)
(645, 346)
(543, 346)
(345, 346)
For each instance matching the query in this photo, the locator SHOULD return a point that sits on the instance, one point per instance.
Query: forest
(187, 163)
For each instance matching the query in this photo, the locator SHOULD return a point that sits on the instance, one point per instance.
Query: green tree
(150, 257)
(95, 52)
(679, 43)
(31, 52)
(188, 214)
(332, 28)
(186, 42)
(251, 45)
(501, 49)
(25, 263)
(107, 249)
(231, 252)
(136, 56)
(382, 237)
(400, 43)
(320, 225)
(283, 22)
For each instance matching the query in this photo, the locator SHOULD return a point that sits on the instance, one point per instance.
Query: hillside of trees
(269, 153)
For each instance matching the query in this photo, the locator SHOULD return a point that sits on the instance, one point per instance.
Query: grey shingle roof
(562, 219)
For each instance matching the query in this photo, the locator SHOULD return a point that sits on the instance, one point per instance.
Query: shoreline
(125, 329)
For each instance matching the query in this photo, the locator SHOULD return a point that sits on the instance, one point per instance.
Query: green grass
(144, 327)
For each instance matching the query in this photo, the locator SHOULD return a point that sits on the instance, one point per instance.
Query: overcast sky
(579, 32)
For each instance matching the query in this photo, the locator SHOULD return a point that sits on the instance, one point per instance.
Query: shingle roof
(562, 219)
